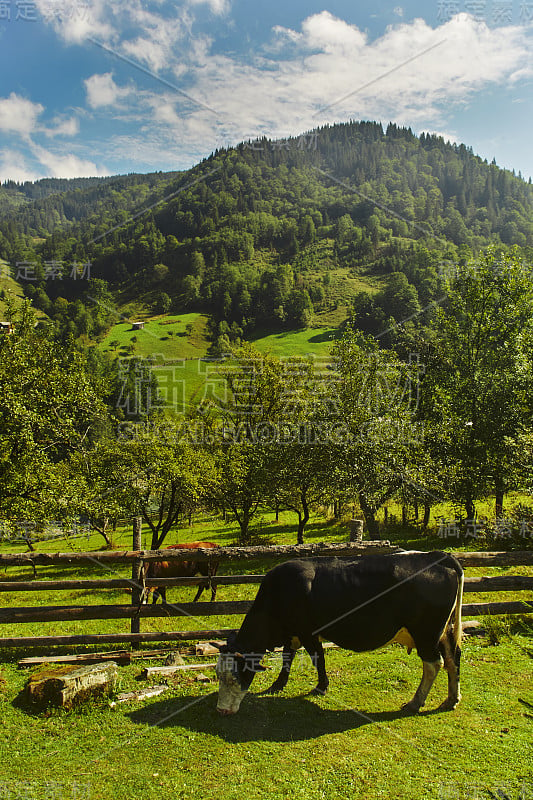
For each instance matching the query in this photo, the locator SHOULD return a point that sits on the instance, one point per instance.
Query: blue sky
(98, 88)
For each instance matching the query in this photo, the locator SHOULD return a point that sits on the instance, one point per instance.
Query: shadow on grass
(327, 336)
(261, 718)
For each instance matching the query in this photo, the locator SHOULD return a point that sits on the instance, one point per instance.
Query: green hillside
(315, 342)
(9, 288)
(269, 240)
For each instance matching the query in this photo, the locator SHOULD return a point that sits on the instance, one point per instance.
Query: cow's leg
(430, 671)
(281, 681)
(452, 664)
(160, 592)
(314, 647)
(201, 587)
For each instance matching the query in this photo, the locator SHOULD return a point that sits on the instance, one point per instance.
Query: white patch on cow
(230, 694)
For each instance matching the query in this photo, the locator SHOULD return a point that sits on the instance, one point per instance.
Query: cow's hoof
(410, 708)
(448, 705)
(318, 691)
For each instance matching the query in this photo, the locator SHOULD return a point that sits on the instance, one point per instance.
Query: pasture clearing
(353, 743)
(163, 336)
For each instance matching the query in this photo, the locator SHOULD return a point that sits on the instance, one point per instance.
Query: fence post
(356, 530)
(136, 578)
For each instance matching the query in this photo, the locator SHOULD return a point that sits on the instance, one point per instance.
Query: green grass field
(306, 342)
(163, 336)
(183, 373)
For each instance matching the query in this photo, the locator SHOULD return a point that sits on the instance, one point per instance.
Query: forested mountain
(265, 233)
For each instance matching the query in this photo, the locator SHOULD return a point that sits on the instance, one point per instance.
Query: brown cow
(181, 569)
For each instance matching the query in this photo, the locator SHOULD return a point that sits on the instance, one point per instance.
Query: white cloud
(216, 6)
(18, 115)
(76, 21)
(103, 91)
(66, 166)
(323, 71)
(13, 166)
(63, 127)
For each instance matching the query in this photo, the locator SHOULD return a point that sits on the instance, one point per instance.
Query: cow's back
(358, 604)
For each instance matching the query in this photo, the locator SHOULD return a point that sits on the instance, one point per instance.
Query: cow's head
(235, 673)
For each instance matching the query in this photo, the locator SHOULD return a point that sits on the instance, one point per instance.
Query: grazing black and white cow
(407, 597)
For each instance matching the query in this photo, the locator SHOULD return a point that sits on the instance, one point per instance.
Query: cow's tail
(458, 621)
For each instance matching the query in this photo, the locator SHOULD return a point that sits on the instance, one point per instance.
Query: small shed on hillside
(137, 326)
(5, 327)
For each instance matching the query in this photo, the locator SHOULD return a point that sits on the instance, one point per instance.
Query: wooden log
(120, 656)
(45, 586)
(75, 613)
(481, 609)
(499, 583)
(114, 638)
(472, 627)
(68, 686)
(503, 558)
(345, 549)
(163, 672)
(120, 583)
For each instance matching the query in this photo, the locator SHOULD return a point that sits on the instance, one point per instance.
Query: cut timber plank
(113, 638)
(120, 656)
(163, 672)
(142, 694)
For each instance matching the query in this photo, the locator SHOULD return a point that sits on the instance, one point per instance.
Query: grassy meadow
(353, 743)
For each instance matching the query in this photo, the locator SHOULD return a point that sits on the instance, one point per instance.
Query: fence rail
(134, 612)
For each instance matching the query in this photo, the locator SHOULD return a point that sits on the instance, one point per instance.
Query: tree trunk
(277, 511)
(416, 511)
(470, 508)
(303, 519)
(404, 515)
(499, 497)
(427, 513)
(244, 525)
(370, 519)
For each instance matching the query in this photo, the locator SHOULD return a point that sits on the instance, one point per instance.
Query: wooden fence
(136, 613)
